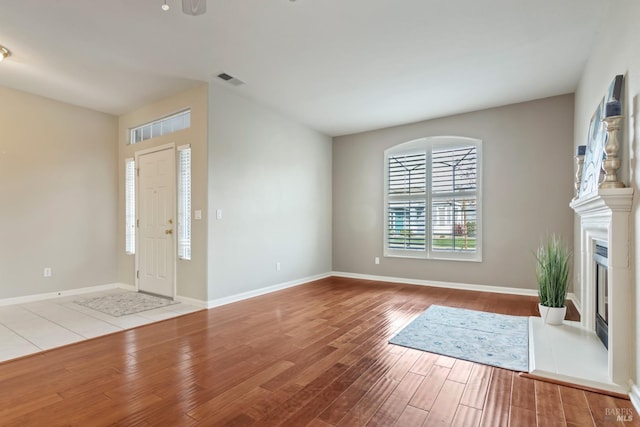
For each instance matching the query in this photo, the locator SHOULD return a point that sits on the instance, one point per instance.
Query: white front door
(156, 247)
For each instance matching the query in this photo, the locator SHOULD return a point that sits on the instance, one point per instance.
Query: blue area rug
(487, 338)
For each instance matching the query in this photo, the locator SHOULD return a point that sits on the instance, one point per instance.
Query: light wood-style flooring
(315, 355)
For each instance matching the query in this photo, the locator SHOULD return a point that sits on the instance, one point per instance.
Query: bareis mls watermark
(618, 415)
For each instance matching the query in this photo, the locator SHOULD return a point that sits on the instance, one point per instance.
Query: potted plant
(552, 275)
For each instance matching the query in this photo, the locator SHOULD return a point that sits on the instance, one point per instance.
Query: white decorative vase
(552, 315)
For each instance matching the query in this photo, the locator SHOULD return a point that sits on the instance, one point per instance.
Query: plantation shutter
(130, 206)
(184, 202)
(454, 199)
(433, 205)
(406, 206)
(160, 127)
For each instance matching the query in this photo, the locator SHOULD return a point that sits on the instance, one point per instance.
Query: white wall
(58, 195)
(527, 187)
(190, 274)
(617, 51)
(271, 177)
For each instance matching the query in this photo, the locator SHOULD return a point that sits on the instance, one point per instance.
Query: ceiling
(338, 66)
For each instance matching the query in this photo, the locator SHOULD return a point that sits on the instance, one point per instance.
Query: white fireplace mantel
(572, 352)
(604, 202)
(604, 216)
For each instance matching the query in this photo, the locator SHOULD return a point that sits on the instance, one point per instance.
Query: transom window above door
(159, 127)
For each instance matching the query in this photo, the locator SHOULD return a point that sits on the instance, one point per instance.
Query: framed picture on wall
(597, 137)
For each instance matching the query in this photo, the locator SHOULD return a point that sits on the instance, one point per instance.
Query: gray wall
(271, 177)
(616, 52)
(527, 186)
(58, 195)
(190, 274)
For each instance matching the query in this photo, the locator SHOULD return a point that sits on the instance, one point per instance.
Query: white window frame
(160, 127)
(427, 145)
(184, 194)
(130, 205)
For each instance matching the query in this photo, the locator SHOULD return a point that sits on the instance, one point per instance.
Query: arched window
(433, 199)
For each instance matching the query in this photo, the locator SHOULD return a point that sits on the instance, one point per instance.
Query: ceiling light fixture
(165, 6)
(4, 52)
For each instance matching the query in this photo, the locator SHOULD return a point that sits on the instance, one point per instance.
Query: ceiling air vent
(230, 79)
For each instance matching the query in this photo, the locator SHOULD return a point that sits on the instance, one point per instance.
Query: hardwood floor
(312, 355)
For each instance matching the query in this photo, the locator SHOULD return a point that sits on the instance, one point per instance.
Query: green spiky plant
(552, 272)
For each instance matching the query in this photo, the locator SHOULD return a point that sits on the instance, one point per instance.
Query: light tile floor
(36, 326)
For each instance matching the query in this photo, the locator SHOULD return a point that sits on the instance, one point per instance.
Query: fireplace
(574, 352)
(601, 260)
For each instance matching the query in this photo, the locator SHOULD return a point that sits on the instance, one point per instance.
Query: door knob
(169, 231)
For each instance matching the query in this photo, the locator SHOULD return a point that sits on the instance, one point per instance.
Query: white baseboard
(250, 294)
(634, 395)
(572, 297)
(186, 300)
(192, 301)
(127, 287)
(58, 294)
(436, 284)
(453, 285)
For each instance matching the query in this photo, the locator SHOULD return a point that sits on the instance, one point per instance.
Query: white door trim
(137, 154)
(154, 149)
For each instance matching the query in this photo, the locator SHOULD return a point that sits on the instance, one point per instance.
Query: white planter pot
(552, 315)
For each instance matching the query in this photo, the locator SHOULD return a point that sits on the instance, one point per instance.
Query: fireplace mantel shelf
(612, 199)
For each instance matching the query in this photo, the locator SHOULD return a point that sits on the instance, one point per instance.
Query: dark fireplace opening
(601, 259)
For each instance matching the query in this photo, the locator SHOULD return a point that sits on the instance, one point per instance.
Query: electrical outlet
(377, 260)
(47, 272)
(277, 266)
